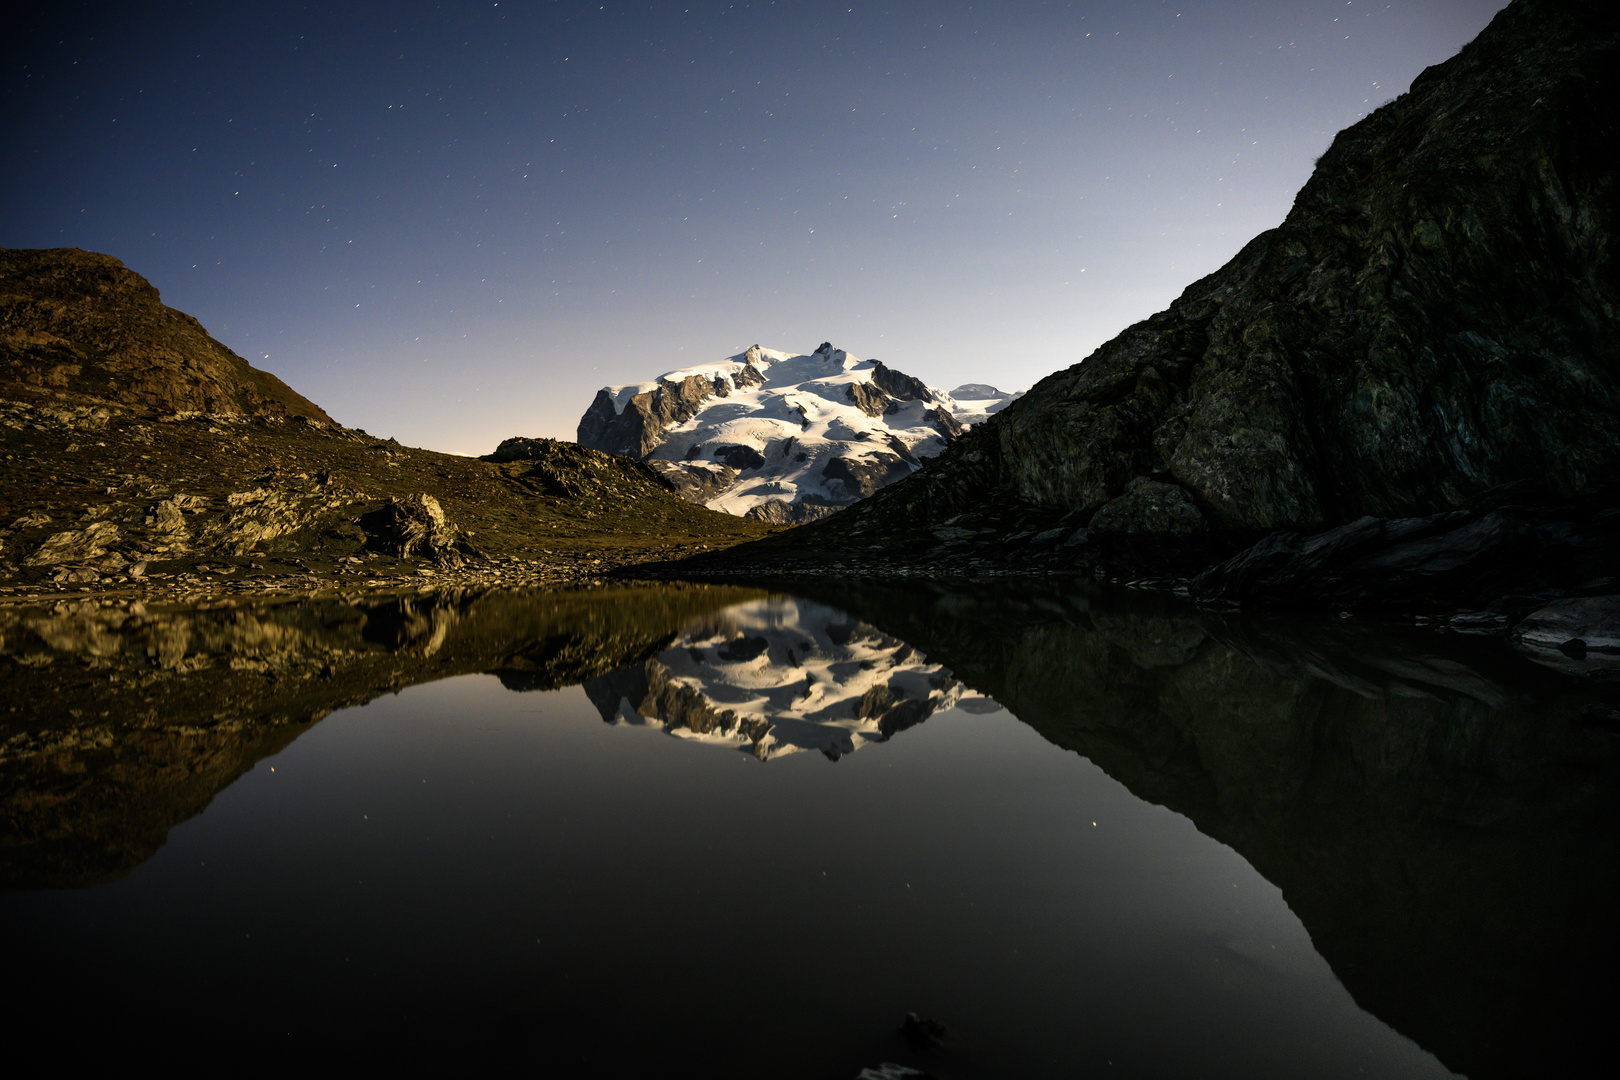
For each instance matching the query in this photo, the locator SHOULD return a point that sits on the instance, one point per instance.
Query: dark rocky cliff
(1436, 317)
(78, 325)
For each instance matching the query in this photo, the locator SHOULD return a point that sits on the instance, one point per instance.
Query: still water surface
(751, 840)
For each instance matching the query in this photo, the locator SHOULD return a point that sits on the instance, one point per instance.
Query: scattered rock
(75, 545)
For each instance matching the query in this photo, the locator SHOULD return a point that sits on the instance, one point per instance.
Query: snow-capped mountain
(776, 676)
(782, 436)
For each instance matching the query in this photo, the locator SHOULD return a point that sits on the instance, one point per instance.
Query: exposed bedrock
(860, 477)
(799, 512)
(1435, 318)
(695, 481)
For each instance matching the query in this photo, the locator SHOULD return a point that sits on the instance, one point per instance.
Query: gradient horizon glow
(451, 223)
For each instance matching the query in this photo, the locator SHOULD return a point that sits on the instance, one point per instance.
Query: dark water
(745, 834)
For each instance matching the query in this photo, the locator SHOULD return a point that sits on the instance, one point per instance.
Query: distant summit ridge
(77, 325)
(783, 437)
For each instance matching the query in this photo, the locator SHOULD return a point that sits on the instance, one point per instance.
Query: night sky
(452, 222)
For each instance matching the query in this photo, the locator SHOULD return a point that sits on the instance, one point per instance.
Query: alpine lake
(837, 830)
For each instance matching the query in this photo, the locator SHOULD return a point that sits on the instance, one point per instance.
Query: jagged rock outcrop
(798, 512)
(1435, 318)
(78, 324)
(900, 386)
(636, 430)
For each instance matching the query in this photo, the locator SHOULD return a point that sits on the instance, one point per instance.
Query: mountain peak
(786, 437)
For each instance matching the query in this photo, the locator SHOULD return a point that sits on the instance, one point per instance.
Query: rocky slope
(97, 499)
(77, 325)
(111, 477)
(1436, 318)
(780, 436)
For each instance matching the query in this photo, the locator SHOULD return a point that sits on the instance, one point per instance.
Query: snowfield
(777, 676)
(784, 436)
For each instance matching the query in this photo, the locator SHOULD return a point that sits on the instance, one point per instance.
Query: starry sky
(453, 222)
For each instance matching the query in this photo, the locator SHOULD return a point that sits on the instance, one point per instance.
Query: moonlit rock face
(783, 436)
(778, 676)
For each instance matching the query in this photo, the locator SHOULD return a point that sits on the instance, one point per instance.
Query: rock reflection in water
(1432, 806)
(120, 722)
(1435, 808)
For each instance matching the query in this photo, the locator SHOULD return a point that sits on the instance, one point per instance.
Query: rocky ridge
(1433, 324)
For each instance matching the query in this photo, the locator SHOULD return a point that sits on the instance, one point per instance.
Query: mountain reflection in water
(1431, 806)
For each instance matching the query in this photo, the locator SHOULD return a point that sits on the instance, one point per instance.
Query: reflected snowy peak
(780, 675)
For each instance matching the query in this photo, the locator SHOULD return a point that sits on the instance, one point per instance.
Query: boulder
(416, 528)
(1579, 635)
(1592, 621)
